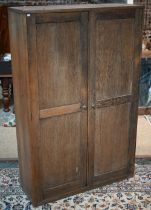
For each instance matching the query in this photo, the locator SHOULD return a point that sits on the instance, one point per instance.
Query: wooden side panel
(62, 84)
(18, 31)
(135, 88)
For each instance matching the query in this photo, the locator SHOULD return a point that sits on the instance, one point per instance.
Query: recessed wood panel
(61, 150)
(111, 138)
(114, 57)
(59, 63)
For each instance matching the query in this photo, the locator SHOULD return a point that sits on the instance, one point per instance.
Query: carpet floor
(132, 194)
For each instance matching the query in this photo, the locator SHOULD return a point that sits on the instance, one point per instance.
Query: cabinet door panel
(61, 149)
(62, 79)
(111, 134)
(110, 95)
(114, 56)
(59, 67)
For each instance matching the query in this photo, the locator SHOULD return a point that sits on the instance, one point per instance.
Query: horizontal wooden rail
(113, 101)
(61, 110)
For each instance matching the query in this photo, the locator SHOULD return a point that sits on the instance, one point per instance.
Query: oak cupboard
(75, 73)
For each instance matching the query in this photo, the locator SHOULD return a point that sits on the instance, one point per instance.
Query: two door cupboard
(75, 73)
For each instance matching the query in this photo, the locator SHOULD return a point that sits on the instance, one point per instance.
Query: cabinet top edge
(72, 7)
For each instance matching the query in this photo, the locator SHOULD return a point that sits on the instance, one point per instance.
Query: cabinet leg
(5, 93)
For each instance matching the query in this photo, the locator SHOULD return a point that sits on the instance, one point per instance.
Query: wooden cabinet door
(61, 54)
(113, 89)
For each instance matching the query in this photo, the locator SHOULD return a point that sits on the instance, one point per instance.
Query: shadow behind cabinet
(76, 72)
(4, 34)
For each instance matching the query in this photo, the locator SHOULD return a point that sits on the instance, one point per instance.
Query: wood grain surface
(76, 73)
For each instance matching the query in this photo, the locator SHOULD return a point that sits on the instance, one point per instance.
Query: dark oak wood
(5, 68)
(75, 7)
(4, 33)
(135, 86)
(60, 110)
(113, 101)
(6, 81)
(22, 101)
(111, 92)
(76, 95)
